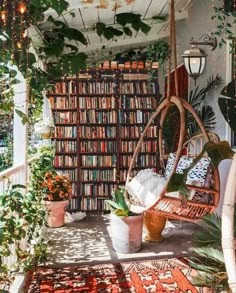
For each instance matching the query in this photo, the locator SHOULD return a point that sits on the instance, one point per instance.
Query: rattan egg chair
(165, 205)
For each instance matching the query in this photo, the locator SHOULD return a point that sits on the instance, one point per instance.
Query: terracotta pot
(56, 216)
(127, 233)
(153, 226)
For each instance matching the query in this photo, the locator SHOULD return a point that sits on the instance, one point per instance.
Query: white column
(20, 131)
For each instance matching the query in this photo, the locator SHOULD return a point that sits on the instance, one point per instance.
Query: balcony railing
(8, 178)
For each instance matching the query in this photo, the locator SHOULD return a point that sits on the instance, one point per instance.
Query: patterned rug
(169, 275)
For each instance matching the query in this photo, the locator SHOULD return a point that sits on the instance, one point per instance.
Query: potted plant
(57, 190)
(126, 225)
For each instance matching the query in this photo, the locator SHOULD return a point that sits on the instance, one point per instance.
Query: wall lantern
(195, 58)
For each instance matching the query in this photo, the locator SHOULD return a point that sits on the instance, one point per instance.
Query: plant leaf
(100, 27)
(74, 34)
(127, 31)
(227, 107)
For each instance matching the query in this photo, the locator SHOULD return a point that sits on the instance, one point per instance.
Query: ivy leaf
(116, 32)
(54, 49)
(124, 18)
(100, 27)
(22, 115)
(145, 28)
(136, 26)
(31, 59)
(74, 34)
(59, 5)
(127, 31)
(72, 64)
(108, 33)
(74, 49)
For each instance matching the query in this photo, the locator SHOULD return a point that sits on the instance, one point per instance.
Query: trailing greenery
(118, 204)
(225, 24)
(22, 216)
(40, 165)
(207, 255)
(6, 157)
(158, 51)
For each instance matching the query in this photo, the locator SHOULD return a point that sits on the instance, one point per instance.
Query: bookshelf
(99, 116)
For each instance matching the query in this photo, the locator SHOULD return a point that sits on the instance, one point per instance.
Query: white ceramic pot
(127, 233)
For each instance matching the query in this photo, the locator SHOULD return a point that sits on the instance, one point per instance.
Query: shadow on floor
(89, 241)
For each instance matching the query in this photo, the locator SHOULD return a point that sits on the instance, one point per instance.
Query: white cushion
(146, 187)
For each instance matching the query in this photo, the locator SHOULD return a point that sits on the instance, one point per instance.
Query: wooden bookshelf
(98, 121)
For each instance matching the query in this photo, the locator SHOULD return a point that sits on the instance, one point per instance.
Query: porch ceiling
(84, 14)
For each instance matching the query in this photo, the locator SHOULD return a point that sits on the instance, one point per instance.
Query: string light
(22, 8)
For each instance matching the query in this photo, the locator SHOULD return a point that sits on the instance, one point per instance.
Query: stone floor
(89, 241)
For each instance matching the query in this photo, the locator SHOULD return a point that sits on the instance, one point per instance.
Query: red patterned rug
(169, 275)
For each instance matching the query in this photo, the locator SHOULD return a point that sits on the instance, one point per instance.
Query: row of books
(88, 204)
(97, 132)
(133, 117)
(65, 161)
(147, 146)
(71, 174)
(98, 146)
(65, 87)
(63, 102)
(100, 189)
(142, 160)
(136, 102)
(123, 175)
(137, 88)
(94, 116)
(65, 117)
(98, 161)
(93, 87)
(65, 131)
(66, 146)
(97, 102)
(98, 175)
(135, 76)
(136, 131)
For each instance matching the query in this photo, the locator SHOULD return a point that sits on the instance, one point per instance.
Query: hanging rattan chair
(165, 205)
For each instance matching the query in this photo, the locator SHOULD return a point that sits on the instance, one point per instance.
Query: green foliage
(207, 256)
(6, 157)
(118, 204)
(22, 215)
(225, 25)
(159, 51)
(39, 166)
(228, 104)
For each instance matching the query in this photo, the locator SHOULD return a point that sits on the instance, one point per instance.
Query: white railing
(9, 177)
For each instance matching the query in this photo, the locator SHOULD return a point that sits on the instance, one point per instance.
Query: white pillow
(146, 187)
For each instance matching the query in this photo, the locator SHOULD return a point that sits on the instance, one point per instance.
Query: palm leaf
(212, 255)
